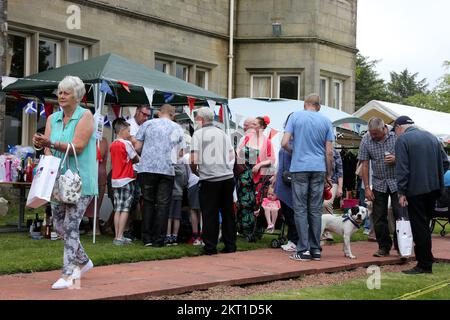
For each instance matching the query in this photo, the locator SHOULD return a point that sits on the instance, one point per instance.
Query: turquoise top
(87, 160)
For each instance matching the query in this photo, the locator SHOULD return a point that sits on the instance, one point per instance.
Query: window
(289, 87)
(201, 78)
(77, 53)
(16, 58)
(261, 86)
(337, 94)
(49, 54)
(324, 91)
(162, 66)
(182, 72)
(13, 123)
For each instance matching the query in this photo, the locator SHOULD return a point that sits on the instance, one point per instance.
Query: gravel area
(237, 292)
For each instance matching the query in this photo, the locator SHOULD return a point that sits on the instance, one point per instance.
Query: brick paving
(165, 277)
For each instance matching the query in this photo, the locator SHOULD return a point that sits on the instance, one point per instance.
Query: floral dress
(246, 194)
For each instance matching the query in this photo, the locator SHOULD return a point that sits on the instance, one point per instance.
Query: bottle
(29, 171)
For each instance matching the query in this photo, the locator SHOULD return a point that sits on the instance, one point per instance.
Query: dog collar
(348, 217)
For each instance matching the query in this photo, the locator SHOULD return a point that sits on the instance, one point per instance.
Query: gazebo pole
(99, 101)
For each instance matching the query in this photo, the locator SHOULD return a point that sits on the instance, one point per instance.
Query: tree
(368, 84)
(404, 85)
(438, 99)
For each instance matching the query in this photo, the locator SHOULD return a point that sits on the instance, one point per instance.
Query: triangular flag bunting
(105, 88)
(48, 107)
(124, 85)
(42, 110)
(17, 95)
(272, 133)
(85, 101)
(106, 122)
(212, 104)
(6, 81)
(221, 114)
(116, 109)
(149, 93)
(168, 97)
(191, 102)
(31, 107)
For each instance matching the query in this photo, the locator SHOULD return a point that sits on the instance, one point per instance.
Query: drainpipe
(230, 54)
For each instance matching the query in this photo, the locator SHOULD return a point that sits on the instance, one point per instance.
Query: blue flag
(31, 107)
(105, 88)
(168, 97)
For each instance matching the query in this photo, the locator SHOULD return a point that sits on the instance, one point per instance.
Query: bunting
(124, 85)
(149, 93)
(105, 88)
(31, 107)
(191, 102)
(221, 114)
(168, 97)
(48, 107)
(212, 104)
(116, 109)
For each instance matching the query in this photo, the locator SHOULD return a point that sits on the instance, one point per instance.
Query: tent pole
(99, 101)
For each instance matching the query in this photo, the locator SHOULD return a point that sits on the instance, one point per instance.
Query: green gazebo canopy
(113, 68)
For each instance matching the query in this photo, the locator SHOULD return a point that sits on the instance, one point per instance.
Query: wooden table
(22, 186)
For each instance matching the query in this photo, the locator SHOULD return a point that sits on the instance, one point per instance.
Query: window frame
(289, 75)
(261, 75)
(341, 92)
(85, 48)
(326, 97)
(185, 76)
(206, 72)
(27, 37)
(58, 50)
(165, 63)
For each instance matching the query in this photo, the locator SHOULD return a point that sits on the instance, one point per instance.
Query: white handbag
(404, 233)
(68, 185)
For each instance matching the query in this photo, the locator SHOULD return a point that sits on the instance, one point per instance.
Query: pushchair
(441, 213)
(260, 219)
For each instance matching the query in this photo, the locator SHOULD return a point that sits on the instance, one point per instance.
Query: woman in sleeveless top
(73, 124)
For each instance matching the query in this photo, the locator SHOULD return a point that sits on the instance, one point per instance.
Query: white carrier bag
(404, 234)
(43, 182)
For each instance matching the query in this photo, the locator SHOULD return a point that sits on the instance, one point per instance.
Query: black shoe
(227, 250)
(416, 270)
(381, 253)
(209, 253)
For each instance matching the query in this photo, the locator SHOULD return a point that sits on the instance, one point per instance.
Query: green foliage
(393, 285)
(404, 85)
(368, 84)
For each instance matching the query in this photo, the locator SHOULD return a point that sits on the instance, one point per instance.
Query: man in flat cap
(420, 166)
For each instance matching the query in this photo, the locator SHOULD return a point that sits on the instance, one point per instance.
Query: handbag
(404, 234)
(67, 187)
(286, 176)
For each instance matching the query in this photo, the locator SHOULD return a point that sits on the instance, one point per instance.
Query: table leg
(21, 209)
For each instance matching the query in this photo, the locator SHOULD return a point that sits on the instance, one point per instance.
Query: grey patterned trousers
(66, 220)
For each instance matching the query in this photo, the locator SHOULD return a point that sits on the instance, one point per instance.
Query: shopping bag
(42, 186)
(404, 234)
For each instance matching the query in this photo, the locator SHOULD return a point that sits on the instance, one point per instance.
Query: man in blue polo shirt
(312, 163)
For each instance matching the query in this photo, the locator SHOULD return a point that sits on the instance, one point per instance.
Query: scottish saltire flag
(168, 97)
(31, 107)
(42, 112)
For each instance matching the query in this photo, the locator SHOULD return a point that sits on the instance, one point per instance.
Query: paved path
(137, 280)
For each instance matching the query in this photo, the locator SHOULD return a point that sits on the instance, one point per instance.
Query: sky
(412, 34)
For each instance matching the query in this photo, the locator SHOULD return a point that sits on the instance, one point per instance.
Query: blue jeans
(307, 193)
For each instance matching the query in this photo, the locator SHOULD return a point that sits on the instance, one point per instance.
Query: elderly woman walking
(75, 125)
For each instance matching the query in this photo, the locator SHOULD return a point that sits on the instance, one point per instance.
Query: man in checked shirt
(378, 146)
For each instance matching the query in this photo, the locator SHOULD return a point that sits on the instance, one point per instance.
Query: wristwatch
(52, 145)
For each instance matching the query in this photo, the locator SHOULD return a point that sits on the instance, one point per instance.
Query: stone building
(281, 48)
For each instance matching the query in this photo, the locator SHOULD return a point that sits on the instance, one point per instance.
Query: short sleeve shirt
(383, 176)
(163, 139)
(310, 130)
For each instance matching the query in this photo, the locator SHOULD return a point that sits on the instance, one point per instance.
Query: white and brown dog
(345, 225)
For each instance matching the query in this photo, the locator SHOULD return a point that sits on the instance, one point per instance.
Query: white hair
(74, 84)
(206, 113)
(376, 123)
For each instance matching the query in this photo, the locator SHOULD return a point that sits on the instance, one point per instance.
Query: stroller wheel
(275, 244)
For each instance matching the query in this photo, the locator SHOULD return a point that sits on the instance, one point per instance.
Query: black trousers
(157, 192)
(380, 218)
(420, 209)
(217, 197)
(288, 214)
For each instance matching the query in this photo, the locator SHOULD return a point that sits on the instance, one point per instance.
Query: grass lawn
(393, 285)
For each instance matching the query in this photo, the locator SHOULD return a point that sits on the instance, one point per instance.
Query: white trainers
(290, 246)
(87, 267)
(62, 283)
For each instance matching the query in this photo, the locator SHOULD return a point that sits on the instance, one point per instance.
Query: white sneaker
(87, 267)
(61, 283)
(290, 246)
